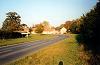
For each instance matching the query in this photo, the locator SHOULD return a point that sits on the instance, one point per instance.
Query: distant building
(24, 30)
(63, 30)
(48, 29)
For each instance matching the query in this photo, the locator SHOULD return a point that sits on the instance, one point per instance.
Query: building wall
(63, 30)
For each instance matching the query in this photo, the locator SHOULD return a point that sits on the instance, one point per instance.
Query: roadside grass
(66, 51)
(32, 37)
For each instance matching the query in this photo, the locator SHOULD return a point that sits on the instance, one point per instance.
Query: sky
(56, 12)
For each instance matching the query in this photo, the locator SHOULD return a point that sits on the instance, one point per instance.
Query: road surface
(10, 53)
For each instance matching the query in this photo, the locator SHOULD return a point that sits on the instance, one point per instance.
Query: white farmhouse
(63, 30)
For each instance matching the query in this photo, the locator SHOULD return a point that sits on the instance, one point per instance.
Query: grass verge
(33, 37)
(67, 51)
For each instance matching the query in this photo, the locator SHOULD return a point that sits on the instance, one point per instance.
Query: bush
(9, 35)
(89, 29)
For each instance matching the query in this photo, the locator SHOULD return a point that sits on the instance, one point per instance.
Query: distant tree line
(71, 26)
(12, 27)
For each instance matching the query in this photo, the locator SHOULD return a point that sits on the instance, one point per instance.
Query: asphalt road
(10, 53)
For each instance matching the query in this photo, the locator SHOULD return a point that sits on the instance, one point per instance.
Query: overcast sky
(54, 11)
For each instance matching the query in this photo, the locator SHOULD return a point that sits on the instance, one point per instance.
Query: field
(66, 51)
(33, 37)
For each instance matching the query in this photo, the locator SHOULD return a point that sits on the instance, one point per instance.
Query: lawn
(67, 51)
(31, 38)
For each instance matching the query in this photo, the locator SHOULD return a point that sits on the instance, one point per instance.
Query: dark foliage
(10, 35)
(89, 30)
(90, 34)
(73, 26)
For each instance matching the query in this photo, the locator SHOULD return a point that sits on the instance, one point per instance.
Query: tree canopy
(39, 28)
(89, 29)
(12, 22)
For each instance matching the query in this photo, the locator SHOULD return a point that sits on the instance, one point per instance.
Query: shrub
(9, 35)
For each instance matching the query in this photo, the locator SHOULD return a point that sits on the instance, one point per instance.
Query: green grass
(33, 37)
(67, 51)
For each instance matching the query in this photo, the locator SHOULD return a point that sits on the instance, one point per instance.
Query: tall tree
(39, 28)
(89, 29)
(12, 22)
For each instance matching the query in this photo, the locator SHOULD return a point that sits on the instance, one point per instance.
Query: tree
(89, 29)
(75, 26)
(59, 27)
(39, 28)
(46, 26)
(30, 30)
(67, 25)
(45, 23)
(12, 22)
